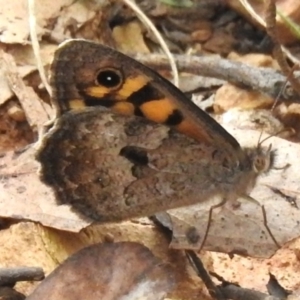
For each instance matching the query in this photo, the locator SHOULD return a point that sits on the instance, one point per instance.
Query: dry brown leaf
(255, 59)
(23, 196)
(59, 245)
(23, 245)
(6, 92)
(72, 17)
(230, 96)
(123, 37)
(254, 119)
(289, 115)
(24, 56)
(30, 244)
(37, 113)
(17, 135)
(108, 271)
(56, 19)
(26, 64)
(220, 42)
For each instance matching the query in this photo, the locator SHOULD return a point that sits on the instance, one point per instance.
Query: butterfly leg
(265, 220)
(220, 204)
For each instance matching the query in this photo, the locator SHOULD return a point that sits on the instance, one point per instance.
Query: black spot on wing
(175, 118)
(92, 101)
(106, 101)
(138, 112)
(145, 94)
(134, 154)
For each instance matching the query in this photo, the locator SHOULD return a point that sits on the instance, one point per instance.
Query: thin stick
(36, 46)
(265, 80)
(196, 262)
(148, 23)
(13, 275)
(253, 14)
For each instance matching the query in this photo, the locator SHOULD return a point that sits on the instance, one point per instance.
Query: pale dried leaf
(255, 59)
(6, 91)
(73, 16)
(254, 119)
(108, 271)
(14, 22)
(26, 64)
(24, 196)
(24, 56)
(241, 230)
(230, 96)
(37, 112)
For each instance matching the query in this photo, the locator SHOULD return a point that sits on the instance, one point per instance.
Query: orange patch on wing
(158, 110)
(124, 108)
(131, 85)
(97, 91)
(190, 129)
(76, 104)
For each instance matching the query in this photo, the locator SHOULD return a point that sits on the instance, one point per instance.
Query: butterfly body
(111, 153)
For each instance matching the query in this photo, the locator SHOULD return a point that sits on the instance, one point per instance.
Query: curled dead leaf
(108, 271)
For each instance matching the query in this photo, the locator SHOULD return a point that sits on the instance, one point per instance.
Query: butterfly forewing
(139, 91)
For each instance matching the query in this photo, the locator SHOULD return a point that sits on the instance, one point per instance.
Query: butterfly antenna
(281, 92)
(283, 88)
(268, 137)
(259, 139)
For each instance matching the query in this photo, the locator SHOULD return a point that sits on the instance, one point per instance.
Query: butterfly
(127, 143)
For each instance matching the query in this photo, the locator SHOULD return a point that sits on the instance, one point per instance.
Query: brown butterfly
(110, 155)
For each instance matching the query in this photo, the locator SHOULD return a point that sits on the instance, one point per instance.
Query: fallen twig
(235, 292)
(9, 276)
(213, 290)
(29, 100)
(265, 80)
